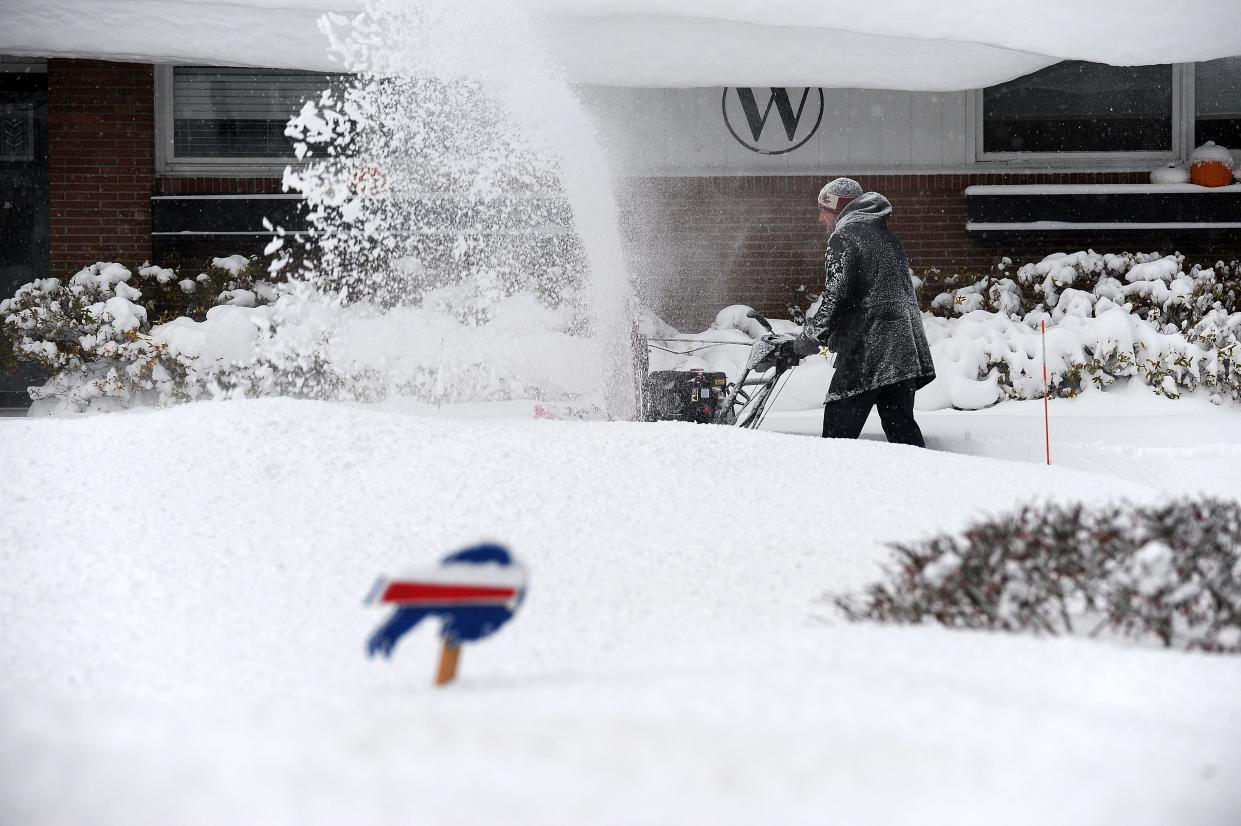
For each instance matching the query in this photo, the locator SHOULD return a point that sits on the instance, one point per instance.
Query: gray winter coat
(868, 315)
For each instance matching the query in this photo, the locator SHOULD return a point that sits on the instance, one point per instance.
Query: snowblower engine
(682, 395)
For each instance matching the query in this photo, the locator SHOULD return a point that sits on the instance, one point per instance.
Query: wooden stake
(449, 655)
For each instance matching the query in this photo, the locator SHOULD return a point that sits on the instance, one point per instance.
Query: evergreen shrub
(1167, 573)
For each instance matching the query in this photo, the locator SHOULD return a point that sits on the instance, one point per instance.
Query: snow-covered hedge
(1109, 317)
(93, 331)
(115, 339)
(1169, 573)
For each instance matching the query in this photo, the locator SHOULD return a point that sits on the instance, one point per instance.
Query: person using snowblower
(869, 317)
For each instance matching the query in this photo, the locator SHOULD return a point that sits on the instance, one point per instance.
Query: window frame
(1182, 138)
(27, 115)
(1189, 92)
(23, 65)
(169, 165)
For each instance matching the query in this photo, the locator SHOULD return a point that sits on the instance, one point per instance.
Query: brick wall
(704, 243)
(101, 162)
(195, 252)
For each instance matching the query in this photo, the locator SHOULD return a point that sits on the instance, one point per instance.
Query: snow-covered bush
(1108, 317)
(96, 337)
(1168, 573)
(93, 332)
(1111, 319)
(1155, 288)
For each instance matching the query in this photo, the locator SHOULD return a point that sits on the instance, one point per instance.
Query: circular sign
(772, 120)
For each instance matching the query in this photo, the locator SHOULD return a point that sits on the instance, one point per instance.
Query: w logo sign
(748, 116)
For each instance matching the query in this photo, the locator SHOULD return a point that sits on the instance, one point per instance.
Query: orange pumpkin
(1210, 173)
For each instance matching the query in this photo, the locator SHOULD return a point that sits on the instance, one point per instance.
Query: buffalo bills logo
(474, 592)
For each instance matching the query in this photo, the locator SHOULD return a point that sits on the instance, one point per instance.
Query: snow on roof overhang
(888, 44)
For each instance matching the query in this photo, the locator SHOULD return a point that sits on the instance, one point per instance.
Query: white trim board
(529, 232)
(1049, 225)
(267, 196)
(189, 232)
(1100, 189)
(827, 173)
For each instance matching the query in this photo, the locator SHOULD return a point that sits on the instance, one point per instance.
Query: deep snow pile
(911, 45)
(197, 657)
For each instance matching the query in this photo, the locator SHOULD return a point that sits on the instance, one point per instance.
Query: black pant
(843, 418)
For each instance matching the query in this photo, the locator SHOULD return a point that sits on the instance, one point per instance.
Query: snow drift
(897, 44)
(184, 638)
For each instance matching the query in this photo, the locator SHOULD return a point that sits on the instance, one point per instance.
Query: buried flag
(474, 592)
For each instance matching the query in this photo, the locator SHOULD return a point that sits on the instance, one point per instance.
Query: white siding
(927, 112)
(683, 132)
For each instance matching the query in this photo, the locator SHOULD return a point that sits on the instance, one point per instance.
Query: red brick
(725, 240)
(101, 162)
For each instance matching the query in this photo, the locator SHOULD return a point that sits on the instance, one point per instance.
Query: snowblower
(702, 397)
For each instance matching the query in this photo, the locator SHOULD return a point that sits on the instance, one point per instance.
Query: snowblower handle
(754, 314)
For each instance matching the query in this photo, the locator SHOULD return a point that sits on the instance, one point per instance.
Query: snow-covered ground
(183, 625)
(1182, 446)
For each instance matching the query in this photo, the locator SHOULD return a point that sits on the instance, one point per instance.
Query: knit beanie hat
(838, 193)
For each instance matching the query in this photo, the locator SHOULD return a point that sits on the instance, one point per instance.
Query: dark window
(1081, 107)
(238, 113)
(17, 132)
(1217, 98)
(23, 202)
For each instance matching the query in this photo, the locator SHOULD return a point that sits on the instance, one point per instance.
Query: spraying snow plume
(454, 173)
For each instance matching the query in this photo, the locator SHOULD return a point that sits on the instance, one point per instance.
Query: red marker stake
(1046, 421)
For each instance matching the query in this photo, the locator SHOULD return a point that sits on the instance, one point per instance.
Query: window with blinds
(224, 113)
